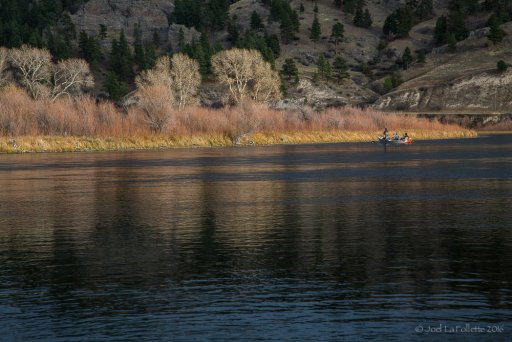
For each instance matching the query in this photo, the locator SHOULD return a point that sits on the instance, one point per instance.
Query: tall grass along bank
(83, 124)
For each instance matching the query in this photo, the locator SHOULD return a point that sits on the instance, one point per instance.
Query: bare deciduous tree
(160, 76)
(70, 77)
(33, 68)
(246, 74)
(156, 104)
(179, 75)
(267, 84)
(186, 79)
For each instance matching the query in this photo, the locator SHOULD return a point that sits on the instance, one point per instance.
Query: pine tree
(114, 86)
(301, 8)
(337, 3)
(90, 49)
(150, 53)
(421, 56)
(138, 49)
(316, 30)
(324, 67)
(452, 42)
(290, 71)
(457, 25)
(340, 68)
(367, 19)
(441, 31)
(406, 58)
(256, 22)
(273, 43)
(359, 18)
(315, 9)
(121, 58)
(501, 66)
(103, 31)
(181, 39)
(496, 34)
(337, 33)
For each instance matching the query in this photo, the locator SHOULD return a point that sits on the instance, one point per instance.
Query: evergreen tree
(301, 8)
(273, 44)
(363, 18)
(337, 33)
(315, 9)
(406, 58)
(290, 71)
(103, 31)
(138, 49)
(456, 25)
(121, 59)
(421, 56)
(501, 66)
(367, 19)
(340, 68)
(452, 42)
(256, 22)
(315, 30)
(150, 53)
(181, 39)
(90, 49)
(156, 39)
(359, 18)
(496, 34)
(323, 67)
(388, 84)
(114, 86)
(287, 29)
(441, 31)
(338, 3)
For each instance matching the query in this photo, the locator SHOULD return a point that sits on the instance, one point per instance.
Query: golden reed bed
(83, 124)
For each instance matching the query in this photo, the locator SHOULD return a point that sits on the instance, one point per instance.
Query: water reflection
(330, 241)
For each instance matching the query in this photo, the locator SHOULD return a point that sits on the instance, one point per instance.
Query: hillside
(458, 75)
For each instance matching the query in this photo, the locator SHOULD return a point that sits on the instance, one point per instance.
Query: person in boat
(386, 133)
(397, 136)
(406, 138)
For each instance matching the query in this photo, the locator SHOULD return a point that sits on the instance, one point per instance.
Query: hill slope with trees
(405, 55)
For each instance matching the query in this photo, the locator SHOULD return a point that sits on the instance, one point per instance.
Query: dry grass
(84, 124)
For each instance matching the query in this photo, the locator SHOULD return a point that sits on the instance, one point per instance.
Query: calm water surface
(327, 242)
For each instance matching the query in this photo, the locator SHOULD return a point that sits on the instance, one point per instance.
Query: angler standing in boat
(386, 133)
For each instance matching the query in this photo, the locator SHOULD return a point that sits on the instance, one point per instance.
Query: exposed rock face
(322, 96)
(119, 15)
(486, 92)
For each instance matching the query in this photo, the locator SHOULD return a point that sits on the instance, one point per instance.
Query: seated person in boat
(397, 136)
(405, 138)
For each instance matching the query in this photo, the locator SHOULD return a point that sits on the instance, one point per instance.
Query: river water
(323, 242)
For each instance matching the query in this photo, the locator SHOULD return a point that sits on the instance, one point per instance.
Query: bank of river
(24, 144)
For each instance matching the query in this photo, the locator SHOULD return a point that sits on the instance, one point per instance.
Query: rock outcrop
(117, 15)
(485, 92)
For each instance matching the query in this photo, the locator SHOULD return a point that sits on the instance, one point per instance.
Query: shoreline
(41, 144)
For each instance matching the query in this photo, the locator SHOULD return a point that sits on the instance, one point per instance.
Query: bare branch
(33, 68)
(186, 79)
(71, 77)
(246, 74)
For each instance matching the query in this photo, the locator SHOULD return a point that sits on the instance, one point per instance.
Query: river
(318, 242)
